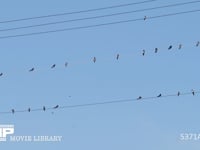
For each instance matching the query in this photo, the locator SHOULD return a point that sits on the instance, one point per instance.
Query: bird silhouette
(140, 97)
(32, 69)
(193, 92)
(13, 111)
(56, 107)
(159, 95)
(1, 74)
(143, 52)
(170, 47)
(53, 66)
(117, 56)
(94, 59)
(156, 50)
(66, 64)
(44, 108)
(180, 46)
(197, 44)
(145, 17)
(178, 94)
(29, 109)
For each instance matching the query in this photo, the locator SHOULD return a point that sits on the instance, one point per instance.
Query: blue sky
(155, 124)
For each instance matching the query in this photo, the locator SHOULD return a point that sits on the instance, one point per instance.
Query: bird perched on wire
(32, 69)
(193, 92)
(156, 50)
(13, 111)
(56, 107)
(170, 47)
(44, 108)
(53, 66)
(29, 109)
(178, 94)
(117, 56)
(140, 97)
(1, 74)
(180, 46)
(66, 64)
(94, 59)
(197, 44)
(143, 52)
(160, 95)
(145, 17)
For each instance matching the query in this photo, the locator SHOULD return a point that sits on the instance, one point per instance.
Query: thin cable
(98, 17)
(97, 25)
(106, 102)
(78, 12)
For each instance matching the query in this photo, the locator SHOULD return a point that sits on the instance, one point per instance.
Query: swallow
(178, 94)
(44, 108)
(180, 46)
(117, 56)
(94, 59)
(159, 95)
(66, 64)
(29, 109)
(145, 17)
(193, 92)
(13, 111)
(156, 50)
(197, 44)
(32, 69)
(140, 97)
(1, 74)
(56, 107)
(170, 47)
(53, 66)
(143, 52)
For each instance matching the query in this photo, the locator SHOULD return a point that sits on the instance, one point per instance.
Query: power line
(78, 12)
(97, 17)
(98, 25)
(139, 99)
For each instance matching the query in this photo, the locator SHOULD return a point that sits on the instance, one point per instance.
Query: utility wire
(78, 12)
(139, 99)
(98, 17)
(99, 25)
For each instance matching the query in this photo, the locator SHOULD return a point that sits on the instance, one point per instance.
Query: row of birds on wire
(139, 98)
(94, 59)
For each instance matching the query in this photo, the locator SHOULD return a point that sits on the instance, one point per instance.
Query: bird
(13, 111)
(94, 59)
(170, 47)
(143, 52)
(180, 46)
(193, 92)
(53, 66)
(32, 69)
(29, 109)
(197, 44)
(159, 95)
(56, 107)
(178, 94)
(1, 74)
(66, 64)
(145, 17)
(156, 50)
(117, 56)
(44, 108)
(140, 97)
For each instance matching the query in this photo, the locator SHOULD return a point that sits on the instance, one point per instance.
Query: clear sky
(155, 124)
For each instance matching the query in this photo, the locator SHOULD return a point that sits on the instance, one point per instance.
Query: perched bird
(1, 74)
(197, 44)
(159, 95)
(170, 47)
(56, 107)
(66, 64)
(32, 69)
(94, 59)
(140, 97)
(117, 56)
(53, 66)
(145, 17)
(13, 111)
(193, 92)
(180, 46)
(44, 108)
(143, 52)
(29, 109)
(156, 50)
(178, 94)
